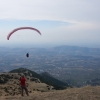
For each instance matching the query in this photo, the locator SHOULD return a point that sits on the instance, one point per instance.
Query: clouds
(61, 10)
(72, 11)
(71, 20)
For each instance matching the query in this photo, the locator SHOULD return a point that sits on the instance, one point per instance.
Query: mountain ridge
(42, 77)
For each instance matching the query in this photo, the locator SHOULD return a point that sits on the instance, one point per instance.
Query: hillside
(10, 86)
(44, 78)
(60, 84)
(83, 93)
(39, 90)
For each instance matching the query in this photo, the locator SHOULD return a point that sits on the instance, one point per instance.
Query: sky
(61, 22)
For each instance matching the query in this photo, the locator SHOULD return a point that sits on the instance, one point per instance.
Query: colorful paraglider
(21, 28)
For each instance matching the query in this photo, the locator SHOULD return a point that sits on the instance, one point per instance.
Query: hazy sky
(61, 22)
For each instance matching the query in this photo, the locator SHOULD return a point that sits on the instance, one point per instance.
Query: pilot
(27, 55)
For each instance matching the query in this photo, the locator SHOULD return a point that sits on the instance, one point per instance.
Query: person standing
(23, 85)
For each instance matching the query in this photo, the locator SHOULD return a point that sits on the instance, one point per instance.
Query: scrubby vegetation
(44, 78)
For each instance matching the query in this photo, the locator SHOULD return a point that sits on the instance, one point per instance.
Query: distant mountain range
(75, 50)
(64, 49)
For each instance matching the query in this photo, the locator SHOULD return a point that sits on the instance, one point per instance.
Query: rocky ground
(11, 90)
(83, 93)
(10, 85)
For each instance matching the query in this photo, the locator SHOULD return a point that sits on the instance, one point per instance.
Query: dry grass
(39, 91)
(12, 87)
(83, 93)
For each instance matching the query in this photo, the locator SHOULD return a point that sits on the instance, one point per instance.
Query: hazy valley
(77, 66)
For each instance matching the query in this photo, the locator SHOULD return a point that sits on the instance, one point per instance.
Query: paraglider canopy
(21, 28)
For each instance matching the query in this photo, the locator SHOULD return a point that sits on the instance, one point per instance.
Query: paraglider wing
(20, 28)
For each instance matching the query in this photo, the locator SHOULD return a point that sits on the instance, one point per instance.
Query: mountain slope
(44, 78)
(83, 93)
(54, 80)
